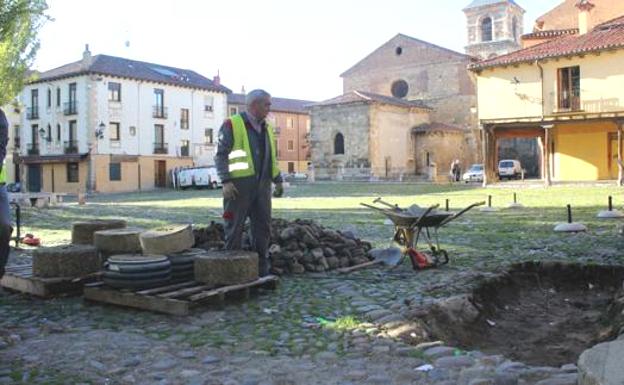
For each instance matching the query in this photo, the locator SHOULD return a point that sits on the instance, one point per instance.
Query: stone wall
(353, 122)
(391, 146)
(443, 147)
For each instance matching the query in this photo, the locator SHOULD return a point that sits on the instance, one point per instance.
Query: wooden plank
(163, 289)
(144, 302)
(225, 289)
(186, 292)
(40, 287)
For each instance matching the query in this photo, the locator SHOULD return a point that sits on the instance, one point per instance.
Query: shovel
(389, 257)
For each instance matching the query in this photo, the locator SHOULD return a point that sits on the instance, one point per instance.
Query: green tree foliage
(20, 20)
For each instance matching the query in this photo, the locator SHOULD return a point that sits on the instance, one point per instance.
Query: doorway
(613, 156)
(160, 173)
(34, 178)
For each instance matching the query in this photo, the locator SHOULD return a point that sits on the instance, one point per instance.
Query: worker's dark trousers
(5, 228)
(253, 201)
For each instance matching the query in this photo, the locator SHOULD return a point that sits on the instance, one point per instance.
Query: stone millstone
(167, 241)
(222, 268)
(118, 241)
(65, 261)
(82, 232)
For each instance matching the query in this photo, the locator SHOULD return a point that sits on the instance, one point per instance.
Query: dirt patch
(536, 313)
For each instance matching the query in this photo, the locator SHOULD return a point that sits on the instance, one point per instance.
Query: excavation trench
(536, 313)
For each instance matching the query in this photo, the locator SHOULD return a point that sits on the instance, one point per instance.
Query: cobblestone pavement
(317, 329)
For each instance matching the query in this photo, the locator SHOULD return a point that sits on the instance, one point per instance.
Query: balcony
(161, 148)
(70, 108)
(184, 151)
(33, 149)
(70, 147)
(159, 112)
(32, 113)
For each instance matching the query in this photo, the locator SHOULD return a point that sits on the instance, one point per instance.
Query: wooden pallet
(20, 279)
(179, 298)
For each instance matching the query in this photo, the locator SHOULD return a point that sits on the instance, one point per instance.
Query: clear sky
(292, 48)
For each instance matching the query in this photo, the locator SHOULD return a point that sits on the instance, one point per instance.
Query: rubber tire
(136, 276)
(137, 284)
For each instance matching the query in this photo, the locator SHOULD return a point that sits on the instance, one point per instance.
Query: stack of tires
(182, 264)
(137, 271)
(166, 256)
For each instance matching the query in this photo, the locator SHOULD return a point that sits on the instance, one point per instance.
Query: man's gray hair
(254, 95)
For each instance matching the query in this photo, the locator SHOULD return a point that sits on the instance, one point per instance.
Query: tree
(20, 20)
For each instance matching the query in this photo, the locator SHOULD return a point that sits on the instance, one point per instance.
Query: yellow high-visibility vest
(3, 173)
(240, 159)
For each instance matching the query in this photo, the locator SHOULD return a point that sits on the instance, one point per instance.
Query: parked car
(510, 169)
(294, 177)
(474, 173)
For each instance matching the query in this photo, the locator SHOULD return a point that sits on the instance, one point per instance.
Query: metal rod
(18, 223)
(447, 205)
(569, 214)
(489, 201)
(610, 203)
(515, 198)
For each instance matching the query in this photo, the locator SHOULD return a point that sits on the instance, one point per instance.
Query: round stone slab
(118, 241)
(167, 241)
(515, 206)
(613, 214)
(82, 232)
(65, 261)
(137, 259)
(570, 228)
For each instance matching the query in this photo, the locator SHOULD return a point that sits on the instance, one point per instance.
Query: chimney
(584, 6)
(217, 79)
(86, 57)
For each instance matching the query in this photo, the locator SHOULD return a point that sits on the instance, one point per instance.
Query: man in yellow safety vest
(246, 162)
(5, 212)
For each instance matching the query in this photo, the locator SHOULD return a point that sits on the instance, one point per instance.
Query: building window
(233, 111)
(185, 148)
(49, 98)
(16, 135)
(184, 118)
(114, 92)
(58, 96)
(159, 106)
(486, 29)
(569, 87)
(307, 124)
(289, 122)
(72, 172)
(339, 144)
(291, 167)
(399, 89)
(208, 103)
(114, 171)
(514, 29)
(115, 133)
(291, 145)
(49, 133)
(209, 135)
(58, 132)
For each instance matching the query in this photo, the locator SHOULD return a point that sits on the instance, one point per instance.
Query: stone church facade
(407, 111)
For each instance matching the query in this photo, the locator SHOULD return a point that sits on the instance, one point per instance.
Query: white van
(510, 169)
(199, 177)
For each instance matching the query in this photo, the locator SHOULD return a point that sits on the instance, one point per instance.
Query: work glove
(279, 190)
(229, 191)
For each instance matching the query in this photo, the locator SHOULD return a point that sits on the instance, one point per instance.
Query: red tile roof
(606, 36)
(369, 97)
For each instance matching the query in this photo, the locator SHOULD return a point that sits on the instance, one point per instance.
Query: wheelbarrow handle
(379, 200)
(374, 207)
(453, 217)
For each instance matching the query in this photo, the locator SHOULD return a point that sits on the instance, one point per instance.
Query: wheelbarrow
(410, 224)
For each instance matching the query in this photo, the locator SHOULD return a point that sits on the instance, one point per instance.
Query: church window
(514, 29)
(338, 144)
(399, 89)
(398, 51)
(486, 29)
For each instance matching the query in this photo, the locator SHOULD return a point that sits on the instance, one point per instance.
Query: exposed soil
(544, 314)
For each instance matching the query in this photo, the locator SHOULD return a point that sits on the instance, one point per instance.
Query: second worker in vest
(247, 165)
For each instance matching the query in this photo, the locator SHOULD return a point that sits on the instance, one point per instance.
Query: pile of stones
(298, 246)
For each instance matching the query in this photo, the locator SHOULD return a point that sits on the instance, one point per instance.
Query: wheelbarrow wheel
(441, 257)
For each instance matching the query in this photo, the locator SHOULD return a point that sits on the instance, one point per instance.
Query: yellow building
(568, 93)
